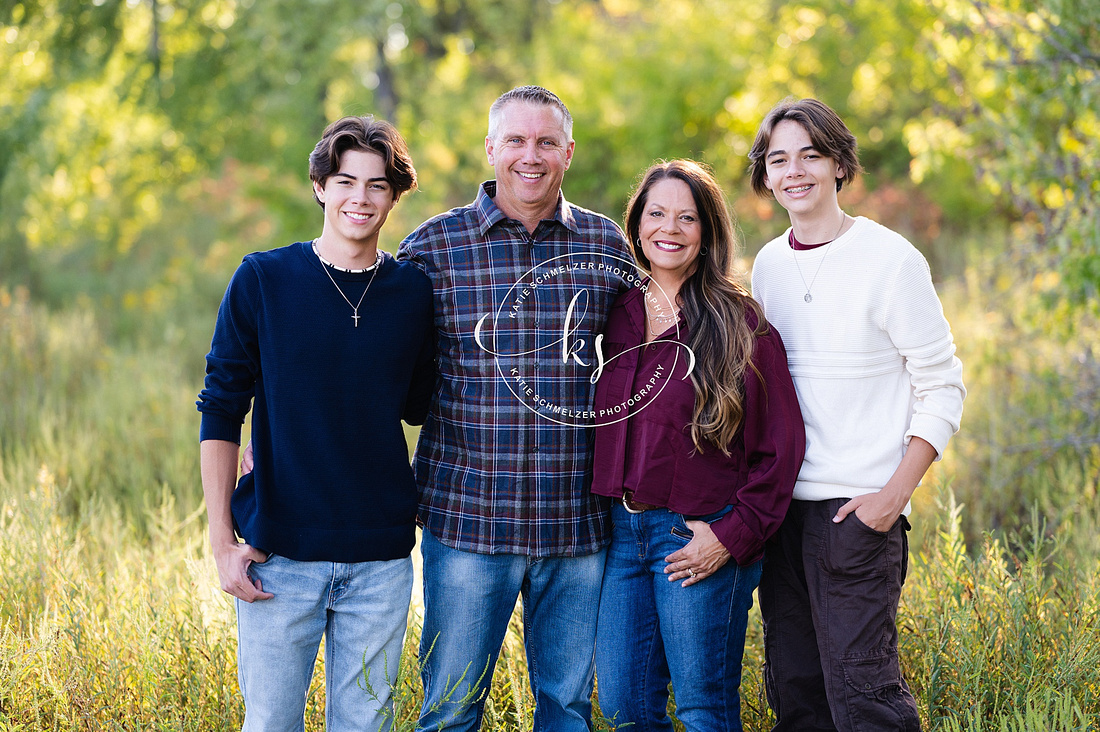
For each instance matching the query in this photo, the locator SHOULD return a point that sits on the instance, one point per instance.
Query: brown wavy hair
(365, 134)
(714, 301)
(828, 134)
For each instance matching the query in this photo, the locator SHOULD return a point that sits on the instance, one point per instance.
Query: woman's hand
(703, 556)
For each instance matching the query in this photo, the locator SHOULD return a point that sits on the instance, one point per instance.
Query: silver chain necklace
(354, 308)
(808, 297)
(663, 321)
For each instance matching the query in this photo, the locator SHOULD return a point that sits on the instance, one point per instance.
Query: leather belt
(633, 506)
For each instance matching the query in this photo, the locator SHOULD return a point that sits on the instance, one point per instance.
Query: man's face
(802, 180)
(530, 155)
(357, 198)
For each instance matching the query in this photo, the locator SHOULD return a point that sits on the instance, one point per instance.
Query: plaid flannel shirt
(503, 463)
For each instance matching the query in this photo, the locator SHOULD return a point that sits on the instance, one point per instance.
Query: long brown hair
(714, 301)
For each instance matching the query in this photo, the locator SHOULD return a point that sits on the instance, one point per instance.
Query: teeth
(668, 246)
(356, 216)
(800, 189)
(531, 176)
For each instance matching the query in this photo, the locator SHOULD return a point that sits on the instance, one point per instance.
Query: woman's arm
(774, 443)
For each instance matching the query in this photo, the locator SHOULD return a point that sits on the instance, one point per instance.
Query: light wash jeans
(468, 600)
(362, 611)
(652, 630)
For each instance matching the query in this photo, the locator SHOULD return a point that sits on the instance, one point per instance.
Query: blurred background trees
(146, 145)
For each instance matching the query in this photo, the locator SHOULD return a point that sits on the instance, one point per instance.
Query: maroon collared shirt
(644, 407)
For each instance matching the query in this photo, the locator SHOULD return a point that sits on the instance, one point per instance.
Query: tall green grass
(110, 617)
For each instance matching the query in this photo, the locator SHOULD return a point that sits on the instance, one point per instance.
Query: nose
(531, 152)
(794, 168)
(670, 223)
(359, 194)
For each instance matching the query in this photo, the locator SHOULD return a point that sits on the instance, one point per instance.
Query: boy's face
(802, 180)
(357, 198)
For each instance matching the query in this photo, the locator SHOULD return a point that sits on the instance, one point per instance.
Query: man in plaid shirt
(523, 283)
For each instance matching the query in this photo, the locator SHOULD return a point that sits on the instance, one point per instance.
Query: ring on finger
(691, 571)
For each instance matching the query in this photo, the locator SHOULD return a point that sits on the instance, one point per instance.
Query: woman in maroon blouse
(699, 439)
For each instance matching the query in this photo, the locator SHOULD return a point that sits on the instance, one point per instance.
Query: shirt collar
(488, 215)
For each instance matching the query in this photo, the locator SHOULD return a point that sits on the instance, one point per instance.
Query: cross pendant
(355, 317)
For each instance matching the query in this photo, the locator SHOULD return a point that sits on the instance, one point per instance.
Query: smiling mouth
(799, 189)
(668, 246)
(531, 176)
(355, 216)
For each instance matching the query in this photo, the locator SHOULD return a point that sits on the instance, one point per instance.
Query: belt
(633, 506)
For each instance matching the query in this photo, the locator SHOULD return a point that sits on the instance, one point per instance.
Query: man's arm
(218, 459)
(919, 330)
(880, 510)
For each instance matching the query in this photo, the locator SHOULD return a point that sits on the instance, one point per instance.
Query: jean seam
(646, 683)
(727, 699)
(532, 658)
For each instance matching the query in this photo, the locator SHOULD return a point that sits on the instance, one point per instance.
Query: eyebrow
(654, 204)
(784, 152)
(383, 179)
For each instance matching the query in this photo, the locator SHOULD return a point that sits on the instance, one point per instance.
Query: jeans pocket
(262, 570)
(682, 532)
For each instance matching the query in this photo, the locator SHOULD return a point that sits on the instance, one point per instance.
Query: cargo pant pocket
(876, 695)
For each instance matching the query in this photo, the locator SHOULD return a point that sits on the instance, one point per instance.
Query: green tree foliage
(1017, 102)
(1020, 99)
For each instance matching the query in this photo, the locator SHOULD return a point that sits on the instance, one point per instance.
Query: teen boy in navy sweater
(331, 343)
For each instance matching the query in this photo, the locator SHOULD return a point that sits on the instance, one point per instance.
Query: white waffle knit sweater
(872, 355)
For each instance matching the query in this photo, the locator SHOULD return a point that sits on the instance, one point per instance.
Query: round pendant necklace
(373, 269)
(808, 297)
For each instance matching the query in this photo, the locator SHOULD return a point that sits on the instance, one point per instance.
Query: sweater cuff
(936, 431)
(215, 427)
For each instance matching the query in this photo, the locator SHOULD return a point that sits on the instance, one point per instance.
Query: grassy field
(110, 618)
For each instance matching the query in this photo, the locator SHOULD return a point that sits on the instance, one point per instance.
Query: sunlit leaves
(1024, 88)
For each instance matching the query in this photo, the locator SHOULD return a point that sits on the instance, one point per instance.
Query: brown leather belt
(633, 506)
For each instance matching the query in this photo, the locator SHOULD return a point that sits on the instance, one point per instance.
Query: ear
(839, 171)
(569, 153)
(319, 191)
(489, 150)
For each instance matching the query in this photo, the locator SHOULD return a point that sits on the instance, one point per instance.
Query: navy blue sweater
(332, 479)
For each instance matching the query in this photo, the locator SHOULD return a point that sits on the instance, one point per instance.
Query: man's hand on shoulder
(247, 460)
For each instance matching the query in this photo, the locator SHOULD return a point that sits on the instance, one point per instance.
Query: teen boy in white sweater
(881, 393)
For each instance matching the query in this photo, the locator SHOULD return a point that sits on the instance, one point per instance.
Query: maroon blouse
(643, 439)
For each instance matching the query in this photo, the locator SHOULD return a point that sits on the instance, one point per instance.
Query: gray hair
(529, 95)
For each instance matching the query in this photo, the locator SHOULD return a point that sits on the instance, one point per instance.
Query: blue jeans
(468, 600)
(362, 611)
(652, 631)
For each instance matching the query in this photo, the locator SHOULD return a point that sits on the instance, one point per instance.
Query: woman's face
(670, 230)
